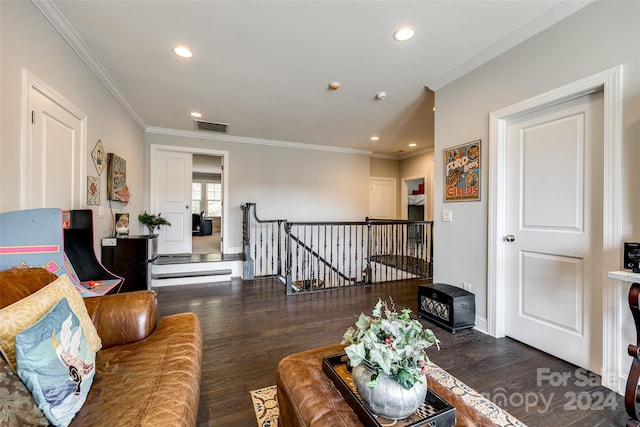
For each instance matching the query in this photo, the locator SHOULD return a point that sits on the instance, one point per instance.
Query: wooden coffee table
(307, 397)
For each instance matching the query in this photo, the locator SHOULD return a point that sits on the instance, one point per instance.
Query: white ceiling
(264, 66)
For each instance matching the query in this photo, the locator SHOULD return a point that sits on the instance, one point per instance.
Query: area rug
(265, 405)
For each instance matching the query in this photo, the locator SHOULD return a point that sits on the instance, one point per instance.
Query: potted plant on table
(387, 353)
(153, 221)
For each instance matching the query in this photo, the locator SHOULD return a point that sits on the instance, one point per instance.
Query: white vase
(388, 398)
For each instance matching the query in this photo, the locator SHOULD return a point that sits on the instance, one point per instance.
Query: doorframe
(225, 181)
(428, 201)
(610, 81)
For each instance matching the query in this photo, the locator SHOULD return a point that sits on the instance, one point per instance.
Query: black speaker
(632, 256)
(447, 306)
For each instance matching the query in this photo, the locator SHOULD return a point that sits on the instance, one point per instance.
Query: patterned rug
(265, 403)
(265, 406)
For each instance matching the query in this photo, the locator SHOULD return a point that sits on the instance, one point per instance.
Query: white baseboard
(481, 325)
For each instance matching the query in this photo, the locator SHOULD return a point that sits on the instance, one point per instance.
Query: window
(214, 199)
(209, 201)
(196, 197)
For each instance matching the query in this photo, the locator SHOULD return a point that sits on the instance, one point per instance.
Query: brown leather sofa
(148, 370)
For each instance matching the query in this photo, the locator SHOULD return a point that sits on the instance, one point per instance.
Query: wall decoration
(462, 172)
(93, 190)
(99, 157)
(117, 179)
(122, 224)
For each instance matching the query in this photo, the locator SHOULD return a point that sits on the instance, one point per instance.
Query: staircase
(170, 270)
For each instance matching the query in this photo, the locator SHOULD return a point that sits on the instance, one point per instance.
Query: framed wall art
(99, 157)
(93, 190)
(462, 172)
(117, 179)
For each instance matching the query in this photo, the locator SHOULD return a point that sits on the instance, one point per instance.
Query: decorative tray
(434, 412)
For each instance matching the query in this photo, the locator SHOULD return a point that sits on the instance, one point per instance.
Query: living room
(315, 184)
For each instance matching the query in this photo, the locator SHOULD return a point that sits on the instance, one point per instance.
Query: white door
(554, 230)
(171, 190)
(382, 198)
(55, 155)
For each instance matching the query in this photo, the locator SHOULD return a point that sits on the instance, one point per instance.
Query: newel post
(248, 265)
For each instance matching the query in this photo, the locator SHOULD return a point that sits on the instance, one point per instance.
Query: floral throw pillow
(17, 407)
(56, 363)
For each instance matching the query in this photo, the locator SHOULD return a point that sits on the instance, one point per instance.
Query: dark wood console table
(130, 259)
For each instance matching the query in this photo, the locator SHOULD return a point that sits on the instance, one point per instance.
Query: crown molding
(403, 155)
(254, 141)
(69, 34)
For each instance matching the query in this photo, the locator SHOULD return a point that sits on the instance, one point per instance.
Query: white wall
(600, 36)
(286, 183)
(29, 41)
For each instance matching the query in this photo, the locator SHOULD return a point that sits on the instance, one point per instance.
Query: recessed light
(403, 34)
(196, 114)
(182, 52)
(413, 144)
(375, 138)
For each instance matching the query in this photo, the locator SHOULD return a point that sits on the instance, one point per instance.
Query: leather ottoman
(307, 397)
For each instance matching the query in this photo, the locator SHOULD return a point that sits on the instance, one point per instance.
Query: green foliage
(153, 220)
(391, 343)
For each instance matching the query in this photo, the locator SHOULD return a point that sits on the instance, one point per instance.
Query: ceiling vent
(212, 126)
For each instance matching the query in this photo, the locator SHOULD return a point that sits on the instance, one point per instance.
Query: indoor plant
(152, 221)
(387, 353)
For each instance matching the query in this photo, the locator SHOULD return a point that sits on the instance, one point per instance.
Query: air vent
(212, 126)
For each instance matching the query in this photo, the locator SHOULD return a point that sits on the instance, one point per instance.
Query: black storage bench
(448, 306)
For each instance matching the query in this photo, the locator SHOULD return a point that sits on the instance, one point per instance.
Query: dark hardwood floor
(248, 326)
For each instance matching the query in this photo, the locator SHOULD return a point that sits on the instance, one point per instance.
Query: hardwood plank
(248, 326)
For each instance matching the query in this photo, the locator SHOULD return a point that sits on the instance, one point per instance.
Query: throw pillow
(17, 407)
(56, 363)
(20, 315)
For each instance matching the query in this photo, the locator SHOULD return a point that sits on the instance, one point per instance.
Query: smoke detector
(381, 95)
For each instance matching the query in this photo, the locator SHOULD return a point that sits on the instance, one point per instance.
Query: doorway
(499, 234)
(206, 204)
(417, 197)
(159, 174)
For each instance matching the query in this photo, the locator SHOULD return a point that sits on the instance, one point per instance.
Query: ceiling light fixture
(403, 34)
(182, 52)
(196, 114)
(375, 138)
(413, 144)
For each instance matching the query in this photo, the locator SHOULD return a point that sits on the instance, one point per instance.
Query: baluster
(324, 255)
(394, 244)
(311, 272)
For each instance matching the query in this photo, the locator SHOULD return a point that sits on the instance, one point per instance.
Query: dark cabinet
(129, 259)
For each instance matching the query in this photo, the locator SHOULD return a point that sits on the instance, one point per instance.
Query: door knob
(509, 237)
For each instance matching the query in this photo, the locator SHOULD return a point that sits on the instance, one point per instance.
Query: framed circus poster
(462, 172)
